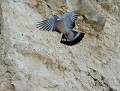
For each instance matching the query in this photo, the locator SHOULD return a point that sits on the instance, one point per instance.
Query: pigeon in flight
(63, 25)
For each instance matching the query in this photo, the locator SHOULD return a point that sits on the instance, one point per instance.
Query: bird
(63, 26)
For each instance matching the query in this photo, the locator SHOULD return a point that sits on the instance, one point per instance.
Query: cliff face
(34, 60)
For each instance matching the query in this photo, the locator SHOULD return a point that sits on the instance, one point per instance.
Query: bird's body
(64, 25)
(60, 26)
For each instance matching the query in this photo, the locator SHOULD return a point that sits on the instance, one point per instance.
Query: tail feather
(75, 40)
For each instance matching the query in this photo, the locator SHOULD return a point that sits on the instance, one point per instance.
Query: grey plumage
(63, 25)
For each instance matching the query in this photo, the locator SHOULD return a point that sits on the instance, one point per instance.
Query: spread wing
(69, 19)
(47, 25)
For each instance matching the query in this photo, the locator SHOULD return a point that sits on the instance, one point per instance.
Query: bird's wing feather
(69, 19)
(47, 25)
(73, 39)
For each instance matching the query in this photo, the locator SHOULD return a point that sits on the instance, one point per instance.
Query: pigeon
(63, 26)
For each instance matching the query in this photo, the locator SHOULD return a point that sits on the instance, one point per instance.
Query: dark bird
(65, 26)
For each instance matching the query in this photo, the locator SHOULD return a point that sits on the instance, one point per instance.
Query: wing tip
(43, 25)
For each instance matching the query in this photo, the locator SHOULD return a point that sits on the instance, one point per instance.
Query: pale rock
(89, 10)
(106, 4)
(35, 60)
(100, 23)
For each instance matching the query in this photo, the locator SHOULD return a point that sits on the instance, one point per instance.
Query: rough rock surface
(34, 60)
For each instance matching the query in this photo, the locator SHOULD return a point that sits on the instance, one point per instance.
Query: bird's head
(56, 17)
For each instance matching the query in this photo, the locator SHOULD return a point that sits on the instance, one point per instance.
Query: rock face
(34, 60)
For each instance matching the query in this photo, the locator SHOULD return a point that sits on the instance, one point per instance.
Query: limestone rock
(106, 4)
(35, 60)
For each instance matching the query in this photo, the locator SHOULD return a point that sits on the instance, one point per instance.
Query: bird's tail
(77, 37)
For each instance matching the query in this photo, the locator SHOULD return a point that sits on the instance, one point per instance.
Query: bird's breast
(61, 27)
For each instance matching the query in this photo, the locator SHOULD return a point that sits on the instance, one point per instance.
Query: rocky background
(35, 60)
